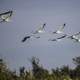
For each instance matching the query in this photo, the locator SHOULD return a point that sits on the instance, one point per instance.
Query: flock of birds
(41, 30)
(5, 17)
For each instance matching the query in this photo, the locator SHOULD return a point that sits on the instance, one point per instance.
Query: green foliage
(39, 73)
(76, 61)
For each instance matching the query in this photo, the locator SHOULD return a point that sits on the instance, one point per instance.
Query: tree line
(38, 72)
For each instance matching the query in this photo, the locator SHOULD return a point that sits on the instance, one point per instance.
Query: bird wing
(6, 16)
(4, 13)
(39, 29)
(59, 38)
(62, 27)
(76, 34)
(52, 40)
(25, 38)
(56, 40)
(62, 37)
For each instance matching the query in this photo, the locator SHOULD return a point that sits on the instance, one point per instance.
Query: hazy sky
(27, 16)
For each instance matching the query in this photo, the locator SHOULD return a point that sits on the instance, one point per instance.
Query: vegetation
(39, 73)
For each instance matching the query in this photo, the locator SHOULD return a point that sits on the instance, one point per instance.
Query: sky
(29, 15)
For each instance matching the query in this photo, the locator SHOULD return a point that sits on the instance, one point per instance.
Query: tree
(76, 60)
(65, 70)
(38, 71)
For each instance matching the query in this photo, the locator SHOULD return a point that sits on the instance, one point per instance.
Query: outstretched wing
(40, 29)
(5, 13)
(25, 38)
(62, 36)
(59, 38)
(76, 34)
(61, 27)
(6, 16)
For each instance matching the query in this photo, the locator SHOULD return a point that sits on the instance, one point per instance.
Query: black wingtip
(44, 24)
(64, 24)
(25, 38)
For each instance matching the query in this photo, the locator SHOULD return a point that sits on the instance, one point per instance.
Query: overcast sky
(29, 15)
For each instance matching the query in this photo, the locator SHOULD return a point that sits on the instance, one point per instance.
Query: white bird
(59, 38)
(60, 30)
(5, 17)
(75, 37)
(40, 29)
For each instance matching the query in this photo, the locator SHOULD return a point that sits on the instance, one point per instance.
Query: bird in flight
(59, 38)
(60, 29)
(28, 37)
(75, 37)
(5, 17)
(78, 40)
(40, 29)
